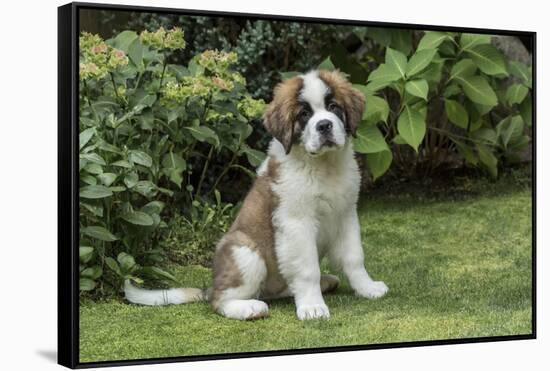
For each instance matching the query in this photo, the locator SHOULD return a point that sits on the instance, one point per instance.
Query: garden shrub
(436, 97)
(150, 135)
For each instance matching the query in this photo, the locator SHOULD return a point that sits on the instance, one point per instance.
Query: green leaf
(99, 233)
(456, 113)
(516, 93)
(153, 207)
(411, 127)
(526, 111)
(377, 109)
(488, 159)
(289, 74)
(254, 157)
(469, 40)
(396, 60)
(174, 161)
(478, 90)
(138, 218)
(327, 65)
(131, 179)
(466, 152)
(159, 273)
(384, 74)
(85, 137)
(85, 253)
(487, 135)
(113, 265)
(135, 52)
(123, 40)
(123, 163)
(464, 68)
(126, 262)
(145, 188)
(419, 61)
(93, 157)
(86, 284)
(92, 272)
(107, 178)
(95, 191)
(432, 39)
(140, 157)
(521, 71)
(418, 88)
(369, 139)
(489, 59)
(203, 133)
(510, 128)
(373, 86)
(379, 163)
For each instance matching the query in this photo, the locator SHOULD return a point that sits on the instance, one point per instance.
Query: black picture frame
(68, 212)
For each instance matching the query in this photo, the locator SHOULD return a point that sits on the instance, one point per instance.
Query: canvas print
(255, 184)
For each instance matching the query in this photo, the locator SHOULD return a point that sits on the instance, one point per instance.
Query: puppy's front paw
(315, 311)
(372, 290)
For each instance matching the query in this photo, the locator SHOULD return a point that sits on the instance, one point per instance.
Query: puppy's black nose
(324, 126)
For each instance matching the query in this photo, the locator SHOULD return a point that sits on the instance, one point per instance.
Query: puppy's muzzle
(324, 127)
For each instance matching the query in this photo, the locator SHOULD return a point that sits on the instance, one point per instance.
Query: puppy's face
(317, 110)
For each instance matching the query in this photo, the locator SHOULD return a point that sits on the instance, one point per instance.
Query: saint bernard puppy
(301, 208)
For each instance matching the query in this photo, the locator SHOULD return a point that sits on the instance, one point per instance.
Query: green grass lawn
(457, 267)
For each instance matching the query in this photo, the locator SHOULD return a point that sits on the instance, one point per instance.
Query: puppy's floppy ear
(280, 115)
(354, 106)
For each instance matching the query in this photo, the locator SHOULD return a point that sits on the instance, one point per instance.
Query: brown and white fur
(301, 208)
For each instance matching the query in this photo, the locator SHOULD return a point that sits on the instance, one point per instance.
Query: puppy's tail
(162, 297)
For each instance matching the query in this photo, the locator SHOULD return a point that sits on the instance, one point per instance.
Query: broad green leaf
(145, 188)
(123, 163)
(159, 273)
(377, 109)
(86, 284)
(203, 133)
(384, 74)
(379, 163)
(140, 157)
(420, 60)
(516, 93)
(93, 168)
(92, 272)
(153, 207)
(123, 40)
(486, 135)
(488, 159)
(526, 111)
(469, 40)
(85, 253)
(456, 113)
(93, 157)
(107, 178)
(521, 71)
(95, 191)
(489, 59)
(254, 157)
(173, 160)
(401, 40)
(466, 152)
(369, 139)
(135, 52)
(126, 262)
(452, 90)
(131, 179)
(289, 74)
(432, 39)
(466, 67)
(418, 88)
(509, 128)
(326, 65)
(138, 218)
(373, 86)
(396, 60)
(88, 179)
(99, 233)
(85, 137)
(478, 90)
(113, 265)
(411, 127)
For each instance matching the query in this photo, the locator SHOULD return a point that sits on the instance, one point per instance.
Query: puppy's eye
(304, 114)
(332, 106)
